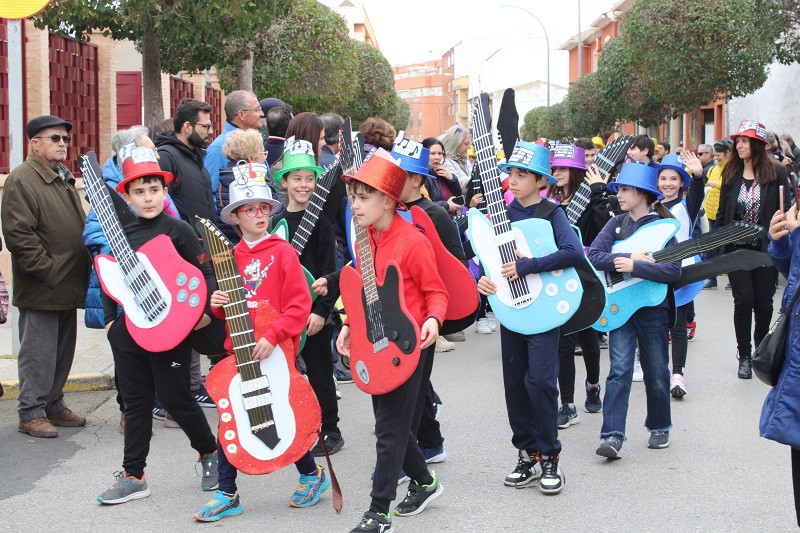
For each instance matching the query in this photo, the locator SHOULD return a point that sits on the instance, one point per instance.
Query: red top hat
(383, 173)
(139, 162)
(751, 129)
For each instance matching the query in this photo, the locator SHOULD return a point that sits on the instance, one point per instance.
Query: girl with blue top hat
(639, 198)
(530, 362)
(683, 196)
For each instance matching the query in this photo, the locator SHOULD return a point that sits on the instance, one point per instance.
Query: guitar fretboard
(315, 205)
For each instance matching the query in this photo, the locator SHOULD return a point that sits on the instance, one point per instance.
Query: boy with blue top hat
(530, 362)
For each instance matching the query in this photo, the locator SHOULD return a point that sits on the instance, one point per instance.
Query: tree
(402, 114)
(587, 114)
(531, 124)
(547, 122)
(374, 95)
(306, 59)
(782, 19)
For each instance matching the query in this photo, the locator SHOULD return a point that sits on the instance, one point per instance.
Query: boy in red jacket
(375, 197)
(271, 271)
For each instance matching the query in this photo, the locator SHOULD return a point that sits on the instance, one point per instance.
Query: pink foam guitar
(269, 416)
(162, 294)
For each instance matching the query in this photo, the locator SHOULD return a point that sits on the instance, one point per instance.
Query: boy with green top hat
(299, 176)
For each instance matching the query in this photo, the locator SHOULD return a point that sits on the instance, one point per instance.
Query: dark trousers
(796, 482)
(680, 339)
(752, 295)
(46, 351)
(530, 376)
(397, 414)
(590, 345)
(141, 375)
(429, 433)
(306, 465)
(319, 369)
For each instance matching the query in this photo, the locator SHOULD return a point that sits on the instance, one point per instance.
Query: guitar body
(687, 293)
(554, 296)
(281, 229)
(593, 300)
(628, 296)
(180, 283)
(295, 408)
(378, 371)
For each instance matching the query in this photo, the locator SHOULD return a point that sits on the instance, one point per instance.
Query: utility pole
(580, 43)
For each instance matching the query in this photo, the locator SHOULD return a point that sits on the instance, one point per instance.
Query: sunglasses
(55, 138)
(702, 153)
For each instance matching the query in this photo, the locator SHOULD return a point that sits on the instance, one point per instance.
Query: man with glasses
(705, 153)
(43, 221)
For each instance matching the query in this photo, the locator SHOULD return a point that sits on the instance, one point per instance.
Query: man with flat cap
(43, 220)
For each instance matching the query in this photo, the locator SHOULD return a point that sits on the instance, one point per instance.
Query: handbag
(3, 300)
(771, 351)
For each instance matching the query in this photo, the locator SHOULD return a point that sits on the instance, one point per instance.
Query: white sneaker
(444, 345)
(638, 375)
(492, 321)
(482, 326)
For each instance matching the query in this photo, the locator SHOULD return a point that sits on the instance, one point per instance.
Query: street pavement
(716, 475)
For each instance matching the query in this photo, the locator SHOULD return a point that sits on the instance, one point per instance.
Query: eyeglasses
(702, 153)
(254, 110)
(208, 126)
(252, 212)
(55, 138)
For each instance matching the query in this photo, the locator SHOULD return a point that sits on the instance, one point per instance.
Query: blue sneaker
(593, 402)
(310, 488)
(219, 506)
(567, 416)
(159, 413)
(434, 455)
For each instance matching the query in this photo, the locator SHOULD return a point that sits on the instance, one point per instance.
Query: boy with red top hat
(375, 192)
(142, 374)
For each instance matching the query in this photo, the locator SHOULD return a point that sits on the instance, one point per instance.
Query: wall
(774, 104)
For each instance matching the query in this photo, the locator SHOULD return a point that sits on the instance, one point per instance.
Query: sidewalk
(92, 369)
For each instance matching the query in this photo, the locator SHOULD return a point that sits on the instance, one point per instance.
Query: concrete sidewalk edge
(75, 382)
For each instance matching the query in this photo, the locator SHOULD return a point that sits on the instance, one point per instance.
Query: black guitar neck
(708, 241)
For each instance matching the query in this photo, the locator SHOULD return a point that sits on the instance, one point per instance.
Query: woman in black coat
(751, 183)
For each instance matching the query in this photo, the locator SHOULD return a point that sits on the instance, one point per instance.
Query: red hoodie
(271, 271)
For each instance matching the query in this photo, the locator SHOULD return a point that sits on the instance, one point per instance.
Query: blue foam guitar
(537, 302)
(626, 294)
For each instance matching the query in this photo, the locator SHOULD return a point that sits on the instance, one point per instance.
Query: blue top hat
(640, 176)
(675, 162)
(413, 156)
(530, 157)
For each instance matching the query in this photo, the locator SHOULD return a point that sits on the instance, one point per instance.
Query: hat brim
(279, 174)
(753, 137)
(225, 214)
(504, 167)
(567, 163)
(347, 179)
(66, 124)
(614, 187)
(167, 177)
(687, 179)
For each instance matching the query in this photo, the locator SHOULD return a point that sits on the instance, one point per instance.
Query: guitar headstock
(216, 242)
(346, 155)
(508, 123)
(481, 117)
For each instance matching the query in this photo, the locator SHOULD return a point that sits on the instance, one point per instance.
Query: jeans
(648, 326)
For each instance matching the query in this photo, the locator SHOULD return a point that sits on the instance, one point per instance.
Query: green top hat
(298, 155)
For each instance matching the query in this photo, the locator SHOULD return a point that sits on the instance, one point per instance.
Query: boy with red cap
(142, 374)
(375, 192)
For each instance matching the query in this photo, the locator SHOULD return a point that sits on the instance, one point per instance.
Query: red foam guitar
(269, 416)
(162, 294)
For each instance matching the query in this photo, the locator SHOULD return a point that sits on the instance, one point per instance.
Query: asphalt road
(717, 474)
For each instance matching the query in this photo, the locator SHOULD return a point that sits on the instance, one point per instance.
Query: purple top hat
(568, 155)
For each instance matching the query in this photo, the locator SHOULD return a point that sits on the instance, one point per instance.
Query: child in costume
(683, 196)
(530, 362)
(142, 374)
(299, 176)
(638, 195)
(270, 271)
(375, 197)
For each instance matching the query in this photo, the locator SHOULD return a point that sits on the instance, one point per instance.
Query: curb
(90, 381)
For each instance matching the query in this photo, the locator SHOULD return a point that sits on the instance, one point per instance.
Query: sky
(420, 30)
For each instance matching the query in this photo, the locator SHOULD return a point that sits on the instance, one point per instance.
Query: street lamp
(546, 41)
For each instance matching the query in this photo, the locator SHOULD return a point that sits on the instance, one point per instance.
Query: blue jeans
(649, 327)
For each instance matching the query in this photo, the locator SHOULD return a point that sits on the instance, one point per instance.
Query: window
(419, 119)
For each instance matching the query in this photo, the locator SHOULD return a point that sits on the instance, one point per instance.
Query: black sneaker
(593, 402)
(418, 497)
(202, 398)
(553, 479)
(374, 523)
(527, 470)
(159, 413)
(333, 442)
(610, 447)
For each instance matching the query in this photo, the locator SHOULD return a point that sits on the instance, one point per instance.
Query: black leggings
(680, 340)
(590, 344)
(796, 482)
(319, 369)
(752, 295)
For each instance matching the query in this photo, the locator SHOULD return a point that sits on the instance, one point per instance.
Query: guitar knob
(406, 345)
(396, 361)
(395, 335)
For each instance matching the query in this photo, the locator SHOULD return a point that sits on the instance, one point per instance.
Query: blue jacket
(214, 160)
(780, 416)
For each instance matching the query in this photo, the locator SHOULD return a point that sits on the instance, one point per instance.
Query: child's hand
(692, 163)
(509, 270)
(478, 198)
(593, 176)
(642, 256)
(625, 264)
(428, 333)
(783, 224)
(218, 299)
(262, 349)
(314, 324)
(486, 286)
(343, 341)
(320, 287)
(203, 322)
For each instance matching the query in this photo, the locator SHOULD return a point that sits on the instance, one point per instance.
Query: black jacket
(191, 186)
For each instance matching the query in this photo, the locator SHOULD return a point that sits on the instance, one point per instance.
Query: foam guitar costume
(162, 294)
(537, 302)
(269, 416)
(626, 294)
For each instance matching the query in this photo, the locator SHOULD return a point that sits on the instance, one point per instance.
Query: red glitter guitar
(269, 416)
